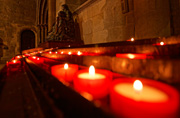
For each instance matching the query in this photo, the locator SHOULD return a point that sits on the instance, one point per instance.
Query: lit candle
(132, 39)
(34, 57)
(18, 57)
(69, 53)
(132, 56)
(95, 82)
(26, 55)
(56, 52)
(14, 62)
(62, 52)
(64, 72)
(79, 53)
(50, 52)
(150, 99)
(160, 44)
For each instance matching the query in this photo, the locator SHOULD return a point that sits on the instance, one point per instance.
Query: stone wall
(15, 16)
(104, 20)
(152, 18)
(175, 16)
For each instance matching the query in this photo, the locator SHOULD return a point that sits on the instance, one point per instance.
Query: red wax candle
(160, 44)
(18, 57)
(14, 62)
(36, 59)
(132, 56)
(64, 72)
(95, 83)
(150, 99)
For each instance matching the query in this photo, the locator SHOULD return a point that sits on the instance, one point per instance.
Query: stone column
(51, 13)
(38, 34)
(45, 31)
(42, 33)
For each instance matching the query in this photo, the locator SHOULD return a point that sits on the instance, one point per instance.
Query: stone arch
(46, 17)
(18, 44)
(27, 40)
(41, 21)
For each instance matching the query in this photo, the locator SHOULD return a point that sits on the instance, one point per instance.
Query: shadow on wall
(2, 46)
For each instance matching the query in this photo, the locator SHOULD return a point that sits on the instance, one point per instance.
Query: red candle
(95, 83)
(132, 56)
(160, 44)
(14, 62)
(132, 39)
(26, 55)
(36, 59)
(64, 72)
(150, 99)
(18, 57)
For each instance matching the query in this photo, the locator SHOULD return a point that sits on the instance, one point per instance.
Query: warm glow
(66, 66)
(56, 52)
(37, 58)
(18, 57)
(91, 70)
(79, 53)
(14, 61)
(131, 56)
(69, 53)
(161, 43)
(34, 57)
(138, 86)
(132, 39)
(50, 52)
(62, 52)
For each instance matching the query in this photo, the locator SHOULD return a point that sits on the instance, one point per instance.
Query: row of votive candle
(128, 98)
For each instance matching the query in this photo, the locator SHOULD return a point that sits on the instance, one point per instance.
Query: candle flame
(79, 53)
(56, 52)
(14, 61)
(132, 39)
(91, 70)
(131, 56)
(18, 57)
(37, 58)
(69, 53)
(161, 43)
(62, 52)
(138, 86)
(34, 57)
(50, 52)
(66, 66)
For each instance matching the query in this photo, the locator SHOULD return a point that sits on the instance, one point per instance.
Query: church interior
(89, 58)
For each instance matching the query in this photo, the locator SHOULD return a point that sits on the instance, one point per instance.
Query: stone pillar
(42, 33)
(51, 13)
(45, 31)
(38, 34)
